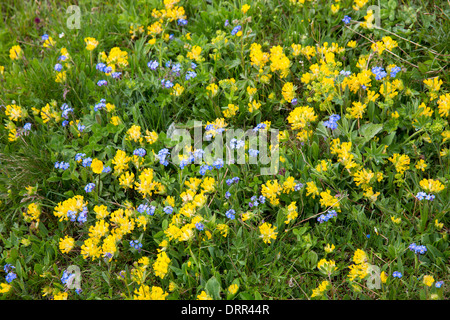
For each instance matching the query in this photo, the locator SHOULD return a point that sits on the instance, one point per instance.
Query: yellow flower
(396, 220)
(49, 42)
(357, 111)
(267, 232)
(432, 186)
(66, 244)
(351, 44)
(311, 189)
(428, 280)
(97, 166)
(61, 296)
(144, 293)
(91, 43)
(245, 8)
(232, 289)
(320, 289)
(438, 225)
(195, 53)
(329, 248)
(383, 277)
(161, 265)
(288, 91)
(4, 287)
(203, 296)
(15, 52)
(326, 267)
(421, 165)
(444, 105)
(401, 162)
(253, 106)
(61, 77)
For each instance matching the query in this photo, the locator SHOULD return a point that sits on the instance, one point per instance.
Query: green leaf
(213, 288)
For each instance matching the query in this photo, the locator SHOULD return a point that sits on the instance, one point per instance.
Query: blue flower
(298, 186)
(230, 214)
(66, 277)
(82, 217)
(346, 19)
(8, 267)
(345, 73)
(44, 37)
(397, 274)
(199, 226)
(100, 66)
(86, 162)
(421, 195)
(136, 244)
(162, 154)
(294, 101)
(58, 67)
(253, 153)
(198, 153)
(116, 75)
(193, 65)
(168, 84)
(227, 195)
(204, 168)
(325, 217)
(439, 284)
(394, 71)
(190, 75)
(182, 22)
(168, 210)
(262, 199)
(140, 152)
(379, 73)
(226, 23)
(102, 83)
(89, 187)
(10, 277)
(218, 164)
(153, 64)
(236, 30)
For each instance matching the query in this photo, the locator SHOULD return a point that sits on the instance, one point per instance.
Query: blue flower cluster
(332, 121)
(62, 165)
(325, 217)
(153, 65)
(397, 274)
(101, 83)
(379, 73)
(346, 19)
(148, 209)
(253, 153)
(230, 214)
(82, 216)
(232, 180)
(254, 201)
(236, 30)
(162, 154)
(140, 152)
(394, 71)
(236, 144)
(168, 209)
(101, 105)
(136, 244)
(66, 277)
(422, 195)
(417, 249)
(89, 187)
(204, 168)
(199, 226)
(10, 276)
(66, 110)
